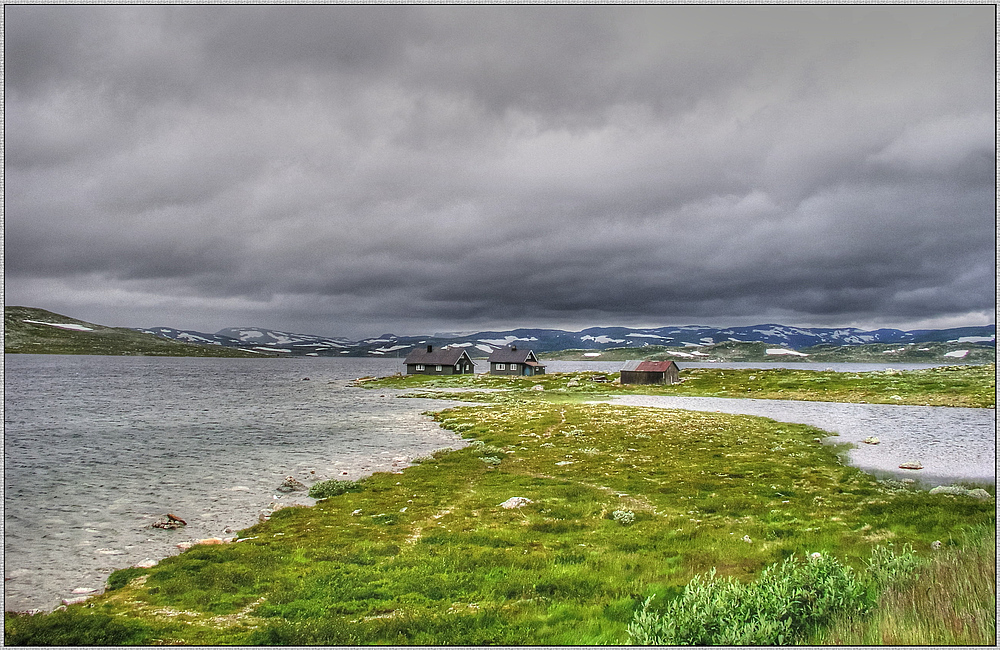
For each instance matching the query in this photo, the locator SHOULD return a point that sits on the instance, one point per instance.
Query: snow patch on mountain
(507, 340)
(62, 326)
(779, 351)
(601, 339)
(393, 348)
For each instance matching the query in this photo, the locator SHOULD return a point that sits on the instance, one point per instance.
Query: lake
(98, 448)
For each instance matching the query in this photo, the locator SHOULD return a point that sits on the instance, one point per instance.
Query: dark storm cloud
(346, 169)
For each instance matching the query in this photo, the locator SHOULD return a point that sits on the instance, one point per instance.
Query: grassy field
(951, 599)
(967, 385)
(25, 337)
(626, 507)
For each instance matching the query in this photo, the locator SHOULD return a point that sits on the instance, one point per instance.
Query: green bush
(624, 517)
(333, 487)
(787, 602)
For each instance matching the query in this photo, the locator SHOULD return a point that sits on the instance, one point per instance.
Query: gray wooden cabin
(443, 361)
(513, 362)
(650, 372)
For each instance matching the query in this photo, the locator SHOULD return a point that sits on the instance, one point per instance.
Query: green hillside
(732, 351)
(29, 330)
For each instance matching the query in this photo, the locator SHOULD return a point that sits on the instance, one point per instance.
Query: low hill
(29, 330)
(731, 351)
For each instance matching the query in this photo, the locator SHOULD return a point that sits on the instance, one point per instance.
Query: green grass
(951, 601)
(966, 386)
(35, 338)
(427, 556)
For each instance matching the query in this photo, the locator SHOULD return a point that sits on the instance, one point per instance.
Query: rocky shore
(160, 535)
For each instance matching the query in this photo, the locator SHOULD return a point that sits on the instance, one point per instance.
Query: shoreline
(78, 565)
(172, 542)
(952, 461)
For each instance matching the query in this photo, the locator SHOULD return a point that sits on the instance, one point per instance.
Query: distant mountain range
(481, 344)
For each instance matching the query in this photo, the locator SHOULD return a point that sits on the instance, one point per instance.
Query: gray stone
(977, 493)
(515, 502)
(290, 484)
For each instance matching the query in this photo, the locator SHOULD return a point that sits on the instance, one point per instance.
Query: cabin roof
(508, 355)
(648, 366)
(437, 356)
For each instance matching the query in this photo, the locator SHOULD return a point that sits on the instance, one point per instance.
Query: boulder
(292, 485)
(911, 465)
(515, 502)
(169, 522)
(977, 493)
(872, 440)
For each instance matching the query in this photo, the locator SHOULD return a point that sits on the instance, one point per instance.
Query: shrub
(481, 447)
(787, 602)
(333, 487)
(624, 517)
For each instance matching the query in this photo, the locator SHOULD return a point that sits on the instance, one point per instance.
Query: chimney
(513, 348)
(430, 348)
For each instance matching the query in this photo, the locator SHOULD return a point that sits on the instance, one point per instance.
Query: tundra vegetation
(972, 386)
(28, 330)
(634, 522)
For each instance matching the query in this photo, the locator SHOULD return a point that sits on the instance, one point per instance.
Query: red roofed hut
(650, 372)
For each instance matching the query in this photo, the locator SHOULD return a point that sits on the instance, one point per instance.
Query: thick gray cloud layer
(358, 169)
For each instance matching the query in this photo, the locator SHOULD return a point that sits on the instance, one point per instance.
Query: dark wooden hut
(650, 372)
(511, 361)
(443, 361)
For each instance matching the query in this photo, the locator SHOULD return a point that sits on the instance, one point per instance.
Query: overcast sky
(355, 170)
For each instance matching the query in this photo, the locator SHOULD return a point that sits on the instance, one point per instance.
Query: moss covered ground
(24, 337)
(971, 386)
(625, 503)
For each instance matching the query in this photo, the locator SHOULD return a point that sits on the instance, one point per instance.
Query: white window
(420, 367)
(437, 368)
(501, 366)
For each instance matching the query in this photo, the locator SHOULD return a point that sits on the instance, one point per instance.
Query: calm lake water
(98, 448)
